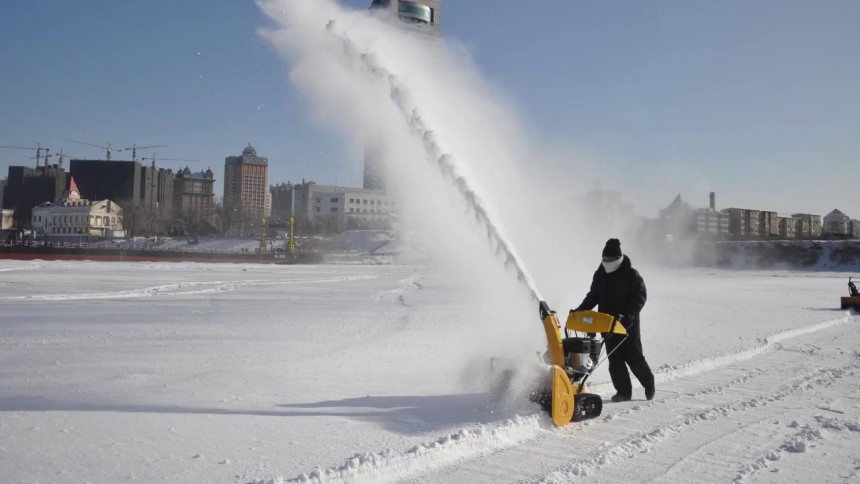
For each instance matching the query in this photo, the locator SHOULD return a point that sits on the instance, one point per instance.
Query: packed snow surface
(118, 372)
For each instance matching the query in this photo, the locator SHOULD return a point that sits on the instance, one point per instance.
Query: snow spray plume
(445, 163)
(462, 166)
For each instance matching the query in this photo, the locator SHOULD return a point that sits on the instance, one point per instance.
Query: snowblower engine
(580, 355)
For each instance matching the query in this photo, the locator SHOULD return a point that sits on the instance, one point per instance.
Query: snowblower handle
(594, 322)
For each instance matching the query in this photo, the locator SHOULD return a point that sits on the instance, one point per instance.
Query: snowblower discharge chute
(573, 353)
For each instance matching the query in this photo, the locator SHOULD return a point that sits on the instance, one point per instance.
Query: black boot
(620, 398)
(650, 391)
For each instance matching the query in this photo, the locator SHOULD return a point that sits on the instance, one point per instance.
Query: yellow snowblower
(853, 300)
(558, 383)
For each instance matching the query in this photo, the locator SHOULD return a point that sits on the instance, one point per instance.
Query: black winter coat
(619, 293)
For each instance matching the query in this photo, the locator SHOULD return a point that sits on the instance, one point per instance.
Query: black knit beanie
(612, 249)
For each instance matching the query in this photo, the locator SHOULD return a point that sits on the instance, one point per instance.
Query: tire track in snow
(643, 442)
(178, 289)
(447, 451)
(29, 267)
(719, 438)
(181, 289)
(718, 388)
(809, 379)
(797, 443)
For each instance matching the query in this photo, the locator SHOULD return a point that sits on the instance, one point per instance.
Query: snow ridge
(405, 286)
(671, 372)
(391, 465)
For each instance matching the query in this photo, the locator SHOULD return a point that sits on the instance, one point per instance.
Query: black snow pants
(624, 353)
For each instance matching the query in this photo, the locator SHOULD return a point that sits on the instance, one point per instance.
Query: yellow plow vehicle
(573, 353)
(853, 300)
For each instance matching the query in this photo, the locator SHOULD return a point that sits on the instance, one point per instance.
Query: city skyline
(756, 102)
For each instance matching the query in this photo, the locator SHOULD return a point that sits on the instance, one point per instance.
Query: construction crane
(60, 161)
(108, 149)
(152, 158)
(134, 149)
(38, 149)
(46, 156)
(61, 155)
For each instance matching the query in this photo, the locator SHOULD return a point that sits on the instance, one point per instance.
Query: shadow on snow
(400, 414)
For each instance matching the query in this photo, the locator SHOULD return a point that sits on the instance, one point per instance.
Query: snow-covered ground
(242, 373)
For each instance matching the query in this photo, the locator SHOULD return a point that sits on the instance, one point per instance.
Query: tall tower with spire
(422, 15)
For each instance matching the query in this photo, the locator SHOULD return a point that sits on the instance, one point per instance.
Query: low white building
(314, 201)
(77, 217)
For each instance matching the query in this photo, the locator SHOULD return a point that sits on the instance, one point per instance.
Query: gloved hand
(621, 319)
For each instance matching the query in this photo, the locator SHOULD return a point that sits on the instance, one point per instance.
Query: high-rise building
(119, 181)
(27, 187)
(282, 201)
(246, 190)
(156, 197)
(194, 196)
(145, 193)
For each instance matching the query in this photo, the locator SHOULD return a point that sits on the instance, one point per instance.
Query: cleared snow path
(786, 395)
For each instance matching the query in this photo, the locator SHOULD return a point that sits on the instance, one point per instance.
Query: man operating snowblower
(618, 289)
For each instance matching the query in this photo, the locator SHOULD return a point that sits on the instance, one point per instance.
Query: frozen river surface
(241, 373)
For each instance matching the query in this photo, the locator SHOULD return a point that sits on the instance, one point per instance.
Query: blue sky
(759, 101)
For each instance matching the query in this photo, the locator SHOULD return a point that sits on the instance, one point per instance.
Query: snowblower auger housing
(571, 360)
